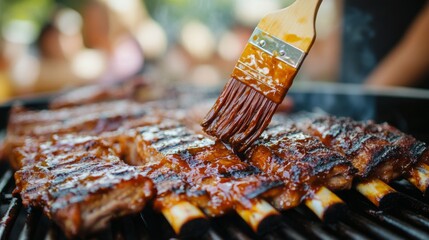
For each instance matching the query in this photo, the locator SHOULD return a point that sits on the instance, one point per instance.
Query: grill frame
(407, 216)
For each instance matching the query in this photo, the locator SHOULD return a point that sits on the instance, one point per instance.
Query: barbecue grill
(406, 214)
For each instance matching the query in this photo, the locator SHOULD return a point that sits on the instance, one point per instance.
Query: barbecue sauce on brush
(246, 105)
(266, 74)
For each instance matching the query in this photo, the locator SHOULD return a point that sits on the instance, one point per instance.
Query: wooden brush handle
(294, 24)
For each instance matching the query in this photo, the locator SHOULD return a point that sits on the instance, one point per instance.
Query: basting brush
(263, 74)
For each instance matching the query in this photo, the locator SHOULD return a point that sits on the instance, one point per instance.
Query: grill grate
(362, 221)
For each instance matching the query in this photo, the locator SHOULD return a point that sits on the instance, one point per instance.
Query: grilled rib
(376, 150)
(207, 166)
(80, 183)
(98, 93)
(302, 162)
(411, 148)
(86, 120)
(373, 152)
(91, 119)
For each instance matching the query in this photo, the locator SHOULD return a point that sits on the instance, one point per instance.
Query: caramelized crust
(109, 120)
(80, 183)
(207, 166)
(372, 154)
(91, 119)
(412, 149)
(302, 162)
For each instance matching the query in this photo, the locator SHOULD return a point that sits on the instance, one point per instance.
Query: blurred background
(52, 45)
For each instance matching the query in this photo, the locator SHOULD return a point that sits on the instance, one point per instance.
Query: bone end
(378, 192)
(186, 219)
(419, 177)
(260, 216)
(326, 205)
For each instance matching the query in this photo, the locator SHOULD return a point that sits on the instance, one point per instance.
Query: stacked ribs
(207, 166)
(375, 150)
(82, 164)
(301, 161)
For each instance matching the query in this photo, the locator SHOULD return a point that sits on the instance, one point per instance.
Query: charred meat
(80, 183)
(301, 161)
(207, 166)
(374, 155)
(411, 148)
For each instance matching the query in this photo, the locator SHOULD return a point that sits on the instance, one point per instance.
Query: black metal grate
(407, 219)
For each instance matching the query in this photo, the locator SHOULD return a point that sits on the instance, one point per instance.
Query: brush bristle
(239, 115)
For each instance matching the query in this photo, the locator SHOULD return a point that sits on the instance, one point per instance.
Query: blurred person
(55, 70)
(385, 43)
(322, 62)
(75, 50)
(49, 64)
(57, 52)
(379, 43)
(104, 31)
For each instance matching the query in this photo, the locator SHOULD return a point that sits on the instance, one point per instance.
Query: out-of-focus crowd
(52, 45)
(104, 41)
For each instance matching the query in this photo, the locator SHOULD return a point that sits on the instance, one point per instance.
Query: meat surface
(411, 148)
(98, 93)
(371, 153)
(301, 161)
(92, 120)
(207, 166)
(80, 183)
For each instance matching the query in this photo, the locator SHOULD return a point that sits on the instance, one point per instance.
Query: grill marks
(91, 119)
(205, 165)
(61, 148)
(70, 176)
(300, 161)
(409, 146)
(376, 150)
(82, 188)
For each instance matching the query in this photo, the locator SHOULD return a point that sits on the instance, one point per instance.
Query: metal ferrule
(276, 47)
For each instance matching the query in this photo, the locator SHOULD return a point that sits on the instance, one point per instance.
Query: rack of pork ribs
(85, 165)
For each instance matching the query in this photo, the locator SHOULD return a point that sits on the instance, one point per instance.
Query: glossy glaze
(239, 115)
(265, 73)
(372, 155)
(80, 183)
(301, 161)
(207, 166)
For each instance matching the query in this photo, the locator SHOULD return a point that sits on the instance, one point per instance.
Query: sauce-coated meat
(413, 149)
(80, 183)
(371, 153)
(301, 161)
(207, 166)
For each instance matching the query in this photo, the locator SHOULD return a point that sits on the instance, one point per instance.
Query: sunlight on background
(49, 45)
